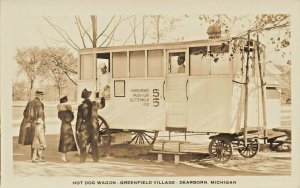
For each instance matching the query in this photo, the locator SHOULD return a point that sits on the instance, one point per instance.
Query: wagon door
(176, 87)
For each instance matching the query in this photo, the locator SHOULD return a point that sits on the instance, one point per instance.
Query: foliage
(56, 65)
(59, 64)
(18, 90)
(274, 27)
(28, 61)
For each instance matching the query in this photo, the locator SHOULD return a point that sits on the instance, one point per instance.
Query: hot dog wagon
(218, 89)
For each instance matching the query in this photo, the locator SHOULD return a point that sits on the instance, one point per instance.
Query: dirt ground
(133, 157)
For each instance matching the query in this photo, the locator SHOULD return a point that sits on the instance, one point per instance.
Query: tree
(28, 61)
(263, 24)
(105, 37)
(59, 64)
(18, 89)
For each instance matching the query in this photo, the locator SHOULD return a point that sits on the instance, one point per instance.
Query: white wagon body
(147, 93)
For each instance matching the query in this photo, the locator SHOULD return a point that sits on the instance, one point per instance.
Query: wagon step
(161, 153)
(173, 141)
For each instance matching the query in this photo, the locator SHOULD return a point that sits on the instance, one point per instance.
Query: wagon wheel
(143, 137)
(250, 150)
(220, 149)
(104, 132)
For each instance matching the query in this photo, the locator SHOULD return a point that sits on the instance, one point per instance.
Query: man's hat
(102, 65)
(86, 94)
(39, 93)
(64, 99)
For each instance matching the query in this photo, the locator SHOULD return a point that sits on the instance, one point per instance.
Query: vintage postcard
(149, 93)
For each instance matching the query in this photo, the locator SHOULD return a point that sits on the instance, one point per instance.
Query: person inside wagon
(181, 66)
(67, 140)
(103, 80)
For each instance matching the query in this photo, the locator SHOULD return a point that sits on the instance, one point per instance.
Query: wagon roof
(161, 45)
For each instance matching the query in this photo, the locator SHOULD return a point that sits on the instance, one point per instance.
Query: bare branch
(81, 35)
(132, 33)
(85, 30)
(106, 27)
(114, 29)
(63, 34)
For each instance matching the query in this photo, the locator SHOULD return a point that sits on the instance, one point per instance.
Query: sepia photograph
(125, 94)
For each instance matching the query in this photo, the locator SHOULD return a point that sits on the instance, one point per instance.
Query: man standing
(87, 127)
(32, 129)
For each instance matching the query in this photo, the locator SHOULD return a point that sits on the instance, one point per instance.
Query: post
(262, 92)
(246, 91)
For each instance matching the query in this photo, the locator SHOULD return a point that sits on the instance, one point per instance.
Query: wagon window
(137, 64)
(199, 62)
(119, 64)
(220, 59)
(155, 63)
(272, 93)
(86, 67)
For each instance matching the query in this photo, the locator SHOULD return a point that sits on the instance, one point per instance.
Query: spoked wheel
(143, 137)
(105, 137)
(220, 149)
(250, 150)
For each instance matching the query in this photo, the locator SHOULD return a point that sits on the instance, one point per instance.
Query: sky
(23, 25)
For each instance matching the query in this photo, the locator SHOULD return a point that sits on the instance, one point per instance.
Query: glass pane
(272, 93)
(221, 65)
(155, 63)
(199, 62)
(220, 60)
(137, 64)
(119, 64)
(86, 67)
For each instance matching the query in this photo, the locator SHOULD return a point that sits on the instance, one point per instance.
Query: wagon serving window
(120, 67)
(155, 63)
(137, 64)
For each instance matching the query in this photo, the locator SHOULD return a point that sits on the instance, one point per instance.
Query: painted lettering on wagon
(143, 96)
(140, 96)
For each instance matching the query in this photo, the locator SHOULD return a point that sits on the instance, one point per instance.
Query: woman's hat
(86, 94)
(64, 99)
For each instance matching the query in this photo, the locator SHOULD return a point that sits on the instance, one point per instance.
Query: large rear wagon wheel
(220, 149)
(143, 137)
(104, 131)
(250, 150)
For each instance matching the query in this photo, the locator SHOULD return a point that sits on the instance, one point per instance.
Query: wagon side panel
(209, 104)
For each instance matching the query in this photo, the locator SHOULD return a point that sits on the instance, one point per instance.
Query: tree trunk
(59, 92)
(94, 27)
(31, 87)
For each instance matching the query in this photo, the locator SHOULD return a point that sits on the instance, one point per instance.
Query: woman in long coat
(67, 141)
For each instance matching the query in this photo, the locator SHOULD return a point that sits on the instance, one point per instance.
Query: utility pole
(246, 91)
(262, 92)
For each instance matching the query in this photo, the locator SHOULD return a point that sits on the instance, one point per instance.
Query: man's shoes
(42, 160)
(35, 161)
